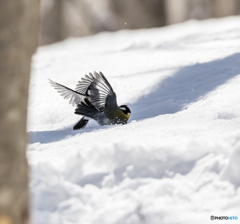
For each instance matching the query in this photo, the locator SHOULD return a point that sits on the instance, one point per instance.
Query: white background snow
(176, 161)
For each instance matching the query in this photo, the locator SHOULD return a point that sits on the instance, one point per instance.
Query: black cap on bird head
(125, 109)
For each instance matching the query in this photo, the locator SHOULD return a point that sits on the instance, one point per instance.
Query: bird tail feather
(80, 124)
(86, 108)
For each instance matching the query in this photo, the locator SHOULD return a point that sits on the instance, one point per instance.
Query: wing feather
(67, 93)
(83, 85)
(99, 90)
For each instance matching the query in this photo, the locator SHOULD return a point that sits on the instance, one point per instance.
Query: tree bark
(52, 23)
(18, 41)
(225, 8)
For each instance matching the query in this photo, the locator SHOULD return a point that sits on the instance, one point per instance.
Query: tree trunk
(181, 10)
(18, 40)
(51, 21)
(225, 8)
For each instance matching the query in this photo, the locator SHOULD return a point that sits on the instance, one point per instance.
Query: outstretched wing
(83, 85)
(74, 96)
(99, 90)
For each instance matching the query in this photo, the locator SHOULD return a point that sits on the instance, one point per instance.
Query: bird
(94, 98)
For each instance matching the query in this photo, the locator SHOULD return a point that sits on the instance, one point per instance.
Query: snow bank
(177, 161)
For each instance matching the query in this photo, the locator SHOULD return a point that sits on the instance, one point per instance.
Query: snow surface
(177, 161)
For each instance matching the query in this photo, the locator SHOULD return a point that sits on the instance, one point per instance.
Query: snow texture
(175, 162)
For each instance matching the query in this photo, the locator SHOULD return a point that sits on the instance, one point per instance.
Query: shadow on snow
(186, 86)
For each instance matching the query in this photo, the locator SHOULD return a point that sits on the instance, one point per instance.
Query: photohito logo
(212, 217)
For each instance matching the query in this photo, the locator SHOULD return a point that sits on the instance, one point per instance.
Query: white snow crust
(177, 161)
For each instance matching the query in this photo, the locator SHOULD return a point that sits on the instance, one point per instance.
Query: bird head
(125, 109)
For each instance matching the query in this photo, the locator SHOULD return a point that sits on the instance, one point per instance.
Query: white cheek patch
(122, 108)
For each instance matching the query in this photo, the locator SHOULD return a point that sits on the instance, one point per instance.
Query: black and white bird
(95, 99)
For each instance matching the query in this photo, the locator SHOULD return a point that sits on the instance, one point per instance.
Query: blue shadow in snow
(56, 135)
(186, 86)
(49, 136)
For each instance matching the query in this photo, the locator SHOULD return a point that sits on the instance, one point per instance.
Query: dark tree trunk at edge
(19, 21)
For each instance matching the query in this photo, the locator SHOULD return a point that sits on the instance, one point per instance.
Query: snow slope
(177, 161)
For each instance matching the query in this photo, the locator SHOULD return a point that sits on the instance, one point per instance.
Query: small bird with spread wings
(95, 99)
